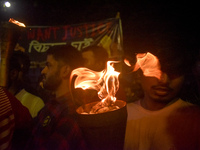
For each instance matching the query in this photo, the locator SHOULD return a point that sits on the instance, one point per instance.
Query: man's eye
(48, 65)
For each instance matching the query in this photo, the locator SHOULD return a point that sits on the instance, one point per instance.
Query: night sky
(133, 13)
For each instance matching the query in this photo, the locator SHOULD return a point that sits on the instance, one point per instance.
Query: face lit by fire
(51, 74)
(89, 59)
(157, 85)
(92, 62)
(164, 89)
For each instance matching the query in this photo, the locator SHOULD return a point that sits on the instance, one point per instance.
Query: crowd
(163, 110)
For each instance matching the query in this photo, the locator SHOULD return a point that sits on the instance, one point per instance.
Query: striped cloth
(7, 122)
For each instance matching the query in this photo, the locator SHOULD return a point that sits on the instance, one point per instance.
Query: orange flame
(11, 20)
(148, 63)
(127, 62)
(105, 82)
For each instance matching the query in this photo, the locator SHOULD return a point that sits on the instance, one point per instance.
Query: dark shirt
(56, 127)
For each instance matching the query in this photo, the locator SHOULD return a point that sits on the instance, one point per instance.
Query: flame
(127, 62)
(105, 82)
(11, 20)
(148, 63)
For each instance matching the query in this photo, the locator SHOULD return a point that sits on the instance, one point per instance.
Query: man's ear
(66, 71)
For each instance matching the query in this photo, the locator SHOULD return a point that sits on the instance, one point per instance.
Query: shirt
(56, 127)
(30, 101)
(176, 126)
(7, 122)
(13, 117)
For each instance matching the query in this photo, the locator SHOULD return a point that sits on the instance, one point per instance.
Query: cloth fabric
(13, 116)
(56, 127)
(7, 122)
(173, 127)
(32, 102)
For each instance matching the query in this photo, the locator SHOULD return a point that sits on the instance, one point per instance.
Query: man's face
(89, 59)
(163, 90)
(51, 74)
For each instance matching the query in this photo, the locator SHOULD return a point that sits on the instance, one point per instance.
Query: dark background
(136, 16)
(133, 14)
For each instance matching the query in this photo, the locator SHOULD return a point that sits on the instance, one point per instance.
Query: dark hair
(20, 61)
(168, 38)
(169, 41)
(67, 54)
(100, 53)
(175, 53)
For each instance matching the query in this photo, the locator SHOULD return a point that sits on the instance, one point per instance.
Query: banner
(36, 40)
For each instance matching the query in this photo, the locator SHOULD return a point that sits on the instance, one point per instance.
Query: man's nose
(164, 78)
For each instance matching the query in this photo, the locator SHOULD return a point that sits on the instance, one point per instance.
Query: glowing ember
(11, 20)
(105, 82)
(148, 63)
(102, 107)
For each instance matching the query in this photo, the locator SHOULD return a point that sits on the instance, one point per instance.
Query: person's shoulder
(186, 104)
(67, 124)
(133, 104)
(7, 94)
(28, 95)
(188, 110)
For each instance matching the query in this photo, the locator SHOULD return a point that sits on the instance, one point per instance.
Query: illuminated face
(51, 74)
(89, 59)
(163, 90)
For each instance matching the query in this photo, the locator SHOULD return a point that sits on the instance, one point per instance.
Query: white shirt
(155, 129)
(32, 102)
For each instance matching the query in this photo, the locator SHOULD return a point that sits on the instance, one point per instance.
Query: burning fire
(105, 82)
(148, 63)
(11, 20)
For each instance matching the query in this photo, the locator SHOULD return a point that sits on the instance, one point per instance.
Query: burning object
(105, 82)
(103, 131)
(103, 123)
(11, 20)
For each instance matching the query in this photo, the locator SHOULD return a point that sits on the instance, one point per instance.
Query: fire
(105, 82)
(11, 20)
(127, 62)
(148, 63)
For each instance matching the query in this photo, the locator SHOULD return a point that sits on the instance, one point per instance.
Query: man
(56, 127)
(95, 57)
(15, 119)
(18, 83)
(161, 119)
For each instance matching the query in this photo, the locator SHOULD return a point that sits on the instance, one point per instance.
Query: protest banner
(36, 40)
